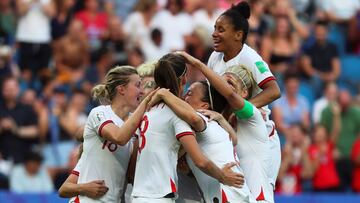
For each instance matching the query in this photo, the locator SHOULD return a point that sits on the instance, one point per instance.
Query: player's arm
(213, 115)
(70, 188)
(122, 135)
(270, 93)
(225, 175)
(182, 109)
(234, 100)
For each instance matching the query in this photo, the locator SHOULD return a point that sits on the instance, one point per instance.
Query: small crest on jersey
(261, 66)
(100, 116)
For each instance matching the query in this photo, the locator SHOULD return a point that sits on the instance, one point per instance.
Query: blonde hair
(244, 77)
(146, 69)
(119, 75)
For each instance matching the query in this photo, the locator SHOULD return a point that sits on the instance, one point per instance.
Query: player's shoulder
(249, 54)
(215, 56)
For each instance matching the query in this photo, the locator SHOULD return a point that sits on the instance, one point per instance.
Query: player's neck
(232, 53)
(120, 110)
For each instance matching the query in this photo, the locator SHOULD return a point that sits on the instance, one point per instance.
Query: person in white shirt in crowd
(330, 95)
(206, 16)
(137, 25)
(33, 35)
(31, 176)
(175, 24)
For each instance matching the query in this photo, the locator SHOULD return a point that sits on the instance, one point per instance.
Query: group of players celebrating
(231, 163)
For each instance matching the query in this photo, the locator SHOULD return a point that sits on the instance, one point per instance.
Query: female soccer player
(253, 148)
(107, 148)
(229, 37)
(212, 136)
(161, 133)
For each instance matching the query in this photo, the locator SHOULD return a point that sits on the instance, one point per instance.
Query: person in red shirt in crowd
(295, 164)
(94, 21)
(322, 155)
(355, 158)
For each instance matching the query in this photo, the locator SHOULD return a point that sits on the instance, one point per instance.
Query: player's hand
(230, 177)
(157, 97)
(232, 81)
(149, 97)
(189, 59)
(95, 189)
(213, 115)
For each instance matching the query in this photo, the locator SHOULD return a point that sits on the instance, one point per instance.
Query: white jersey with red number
(216, 145)
(250, 59)
(253, 150)
(102, 159)
(155, 174)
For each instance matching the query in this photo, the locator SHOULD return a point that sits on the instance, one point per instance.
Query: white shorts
(152, 200)
(275, 151)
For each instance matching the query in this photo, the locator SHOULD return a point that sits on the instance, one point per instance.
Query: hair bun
(243, 8)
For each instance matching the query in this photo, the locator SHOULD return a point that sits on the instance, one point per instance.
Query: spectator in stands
(34, 37)
(295, 164)
(207, 15)
(138, 24)
(34, 178)
(154, 49)
(18, 123)
(62, 19)
(355, 158)
(291, 108)
(258, 24)
(280, 48)
(353, 34)
(320, 63)
(115, 41)
(323, 154)
(338, 11)
(350, 128)
(94, 21)
(8, 21)
(71, 54)
(330, 95)
(175, 24)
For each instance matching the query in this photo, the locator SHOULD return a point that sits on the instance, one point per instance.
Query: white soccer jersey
(250, 59)
(253, 150)
(102, 159)
(216, 145)
(155, 174)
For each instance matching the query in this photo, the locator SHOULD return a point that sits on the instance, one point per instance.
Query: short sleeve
(98, 119)
(261, 72)
(210, 62)
(77, 169)
(181, 128)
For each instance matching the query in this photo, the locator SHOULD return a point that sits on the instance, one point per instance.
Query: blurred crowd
(52, 52)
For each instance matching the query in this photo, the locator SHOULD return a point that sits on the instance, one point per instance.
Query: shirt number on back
(143, 128)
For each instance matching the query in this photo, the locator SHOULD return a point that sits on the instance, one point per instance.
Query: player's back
(155, 174)
(101, 159)
(216, 145)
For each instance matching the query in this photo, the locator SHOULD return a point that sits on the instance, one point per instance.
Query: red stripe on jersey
(262, 83)
(272, 132)
(261, 195)
(103, 125)
(173, 186)
(77, 200)
(75, 172)
(223, 197)
(178, 136)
